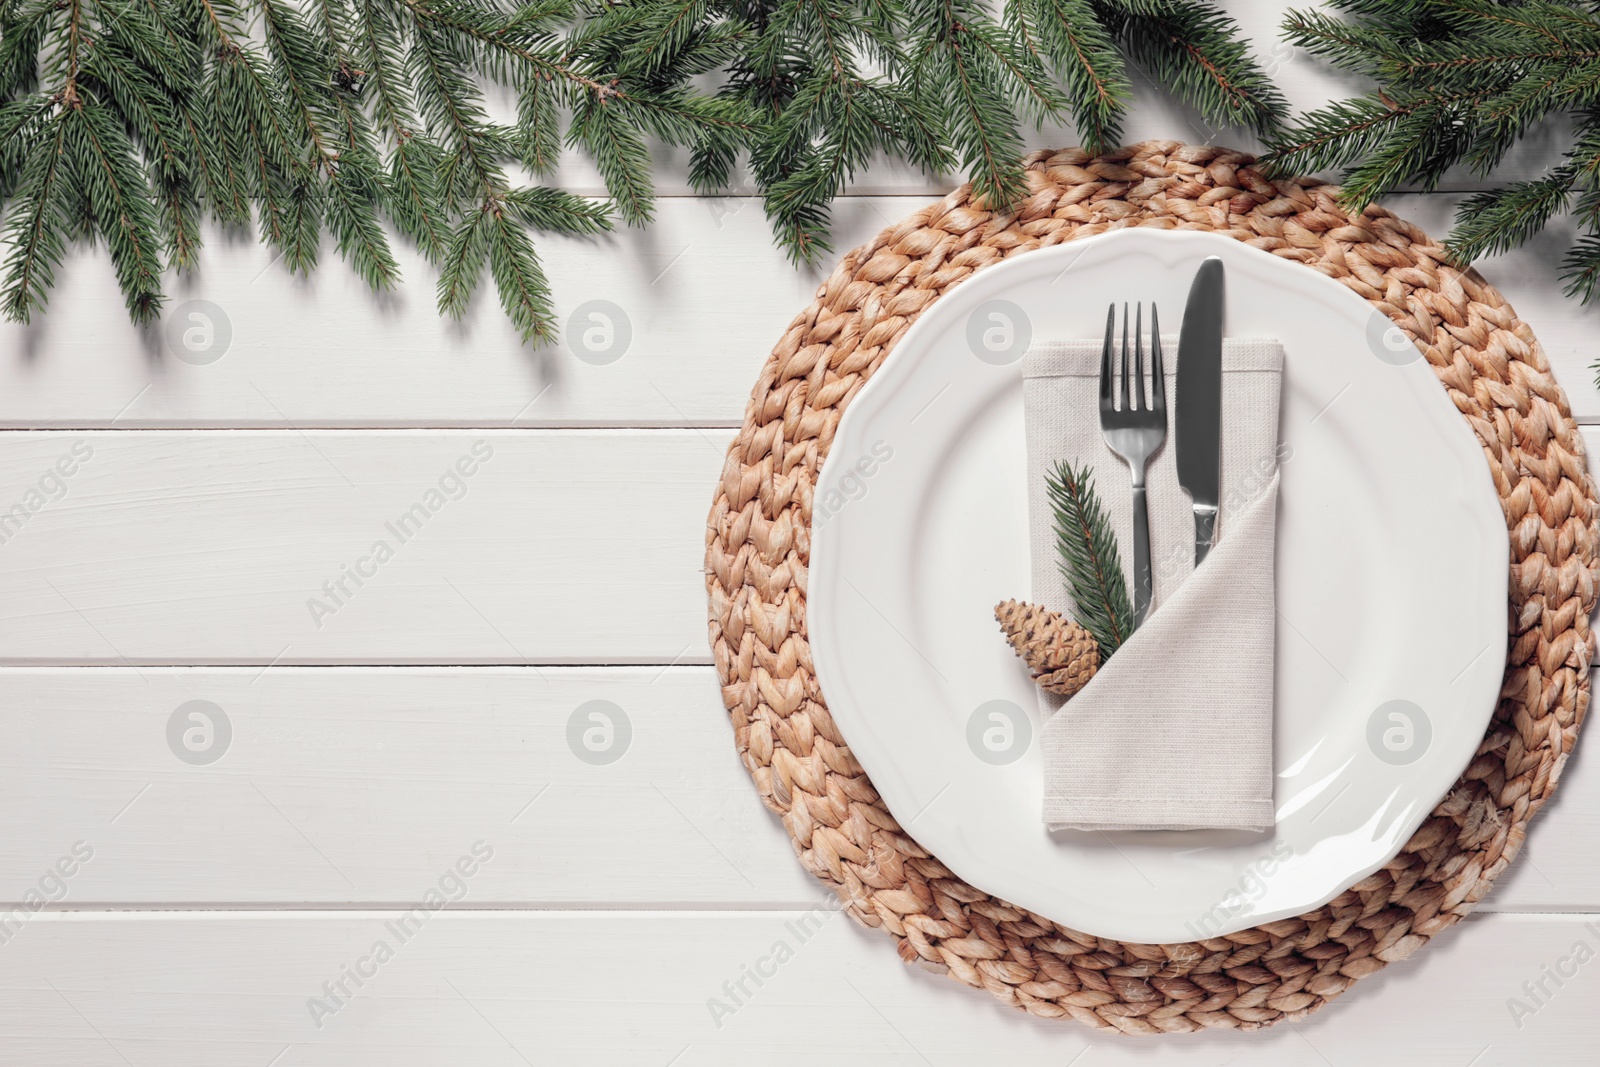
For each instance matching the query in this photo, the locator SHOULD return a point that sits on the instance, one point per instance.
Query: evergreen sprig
(350, 122)
(1459, 83)
(127, 121)
(1090, 562)
(953, 83)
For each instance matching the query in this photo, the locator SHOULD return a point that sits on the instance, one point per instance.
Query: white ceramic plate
(1391, 569)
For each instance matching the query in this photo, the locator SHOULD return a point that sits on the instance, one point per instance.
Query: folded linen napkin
(1175, 730)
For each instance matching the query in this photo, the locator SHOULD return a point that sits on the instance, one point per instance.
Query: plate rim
(1494, 580)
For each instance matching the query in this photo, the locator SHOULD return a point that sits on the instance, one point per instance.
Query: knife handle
(1143, 582)
(1205, 533)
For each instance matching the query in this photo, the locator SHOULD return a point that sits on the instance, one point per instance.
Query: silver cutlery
(1198, 420)
(1134, 430)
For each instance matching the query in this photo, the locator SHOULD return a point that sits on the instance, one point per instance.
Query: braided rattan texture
(758, 548)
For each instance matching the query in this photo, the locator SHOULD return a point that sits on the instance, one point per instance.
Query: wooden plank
(196, 547)
(701, 296)
(1152, 114)
(492, 989)
(338, 786)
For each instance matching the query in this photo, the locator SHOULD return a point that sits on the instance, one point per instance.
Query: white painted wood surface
(358, 785)
(436, 706)
(496, 988)
(321, 546)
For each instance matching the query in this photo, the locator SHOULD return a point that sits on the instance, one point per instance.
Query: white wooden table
(244, 887)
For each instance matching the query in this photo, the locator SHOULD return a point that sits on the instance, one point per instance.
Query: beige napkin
(1175, 730)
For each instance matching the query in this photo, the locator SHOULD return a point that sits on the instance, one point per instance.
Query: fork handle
(1142, 580)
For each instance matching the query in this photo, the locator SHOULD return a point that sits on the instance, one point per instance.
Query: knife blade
(1199, 404)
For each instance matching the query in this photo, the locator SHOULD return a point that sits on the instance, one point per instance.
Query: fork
(1135, 430)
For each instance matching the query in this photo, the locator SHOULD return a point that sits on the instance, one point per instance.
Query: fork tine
(1158, 373)
(1124, 356)
(1138, 357)
(1105, 357)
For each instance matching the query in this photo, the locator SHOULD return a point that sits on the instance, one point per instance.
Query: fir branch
(983, 81)
(362, 121)
(462, 263)
(543, 208)
(1067, 34)
(539, 122)
(665, 30)
(353, 194)
(37, 224)
(1499, 219)
(524, 293)
(119, 201)
(620, 154)
(1370, 135)
(1581, 268)
(1090, 562)
(1196, 51)
(298, 223)
(1459, 84)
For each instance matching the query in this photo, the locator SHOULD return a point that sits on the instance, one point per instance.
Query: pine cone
(1062, 655)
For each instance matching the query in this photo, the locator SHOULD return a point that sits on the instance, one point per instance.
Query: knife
(1199, 404)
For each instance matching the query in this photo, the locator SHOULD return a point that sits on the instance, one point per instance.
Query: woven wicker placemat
(758, 549)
